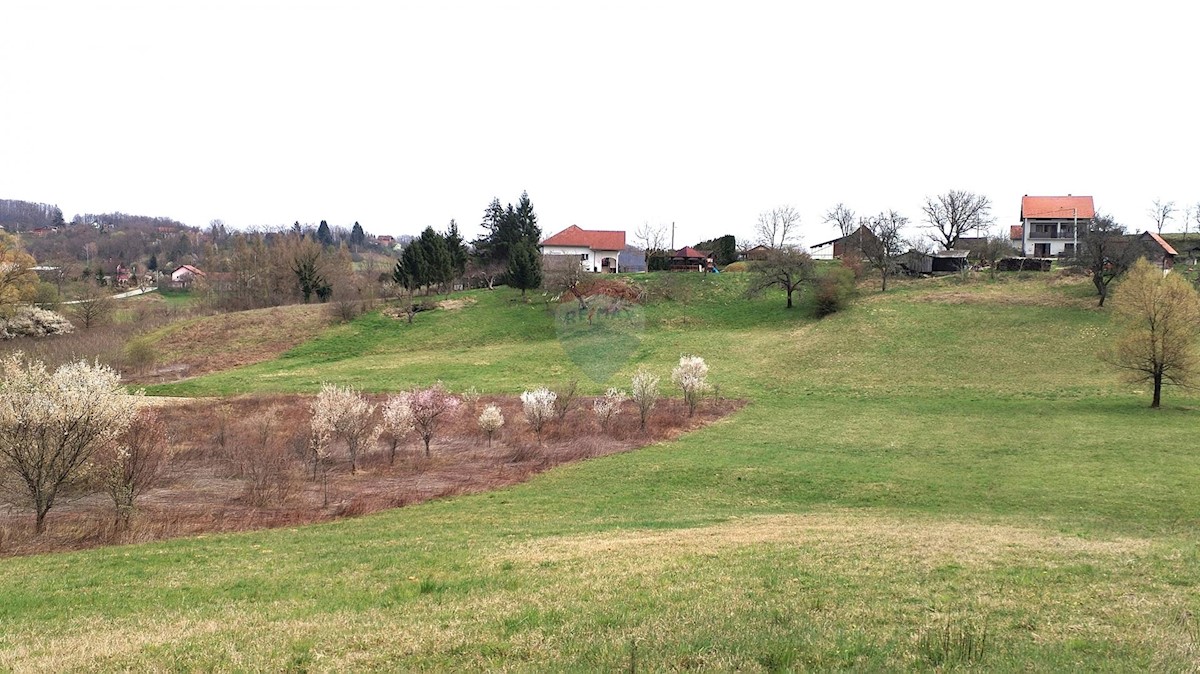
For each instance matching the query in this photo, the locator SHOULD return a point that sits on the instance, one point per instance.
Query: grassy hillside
(941, 467)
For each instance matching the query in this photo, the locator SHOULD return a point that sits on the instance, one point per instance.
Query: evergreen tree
(152, 265)
(324, 235)
(524, 267)
(357, 236)
(493, 221)
(439, 267)
(506, 227)
(458, 251)
(411, 269)
(525, 221)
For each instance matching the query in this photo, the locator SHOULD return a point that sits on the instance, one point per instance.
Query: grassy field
(944, 476)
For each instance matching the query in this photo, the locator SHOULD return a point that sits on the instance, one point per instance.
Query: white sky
(406, 114)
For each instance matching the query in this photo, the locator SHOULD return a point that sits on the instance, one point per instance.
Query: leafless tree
(486, 272)
(955, 214)
(843, 217)
(651, 237)
(1162, 212)
(882, 250)
(785, 268)
(562, 274)
(134, 463)
(93, 307)
(1105, 252)
(777, 227)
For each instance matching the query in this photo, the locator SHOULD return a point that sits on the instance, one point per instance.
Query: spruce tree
(524, 268)
(324, 235)
(357, 236)
(458, 251)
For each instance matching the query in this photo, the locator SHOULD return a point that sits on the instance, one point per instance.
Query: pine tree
(524, 268)
(411, 269)
(357, 236)
(506, 227)
(324, 235)
(525, 221)
(439, 268)
(458, 252)
(152, 265)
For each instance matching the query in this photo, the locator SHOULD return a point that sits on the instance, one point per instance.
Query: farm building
(836, 248)
(690, 259)
(597, 250)
(942, 261)
(1158, 251)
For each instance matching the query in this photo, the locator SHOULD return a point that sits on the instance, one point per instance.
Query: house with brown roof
(1050, 225)
(184, 275)
(1158, 251)
(690, 259)
(850, 243)
(597, 250)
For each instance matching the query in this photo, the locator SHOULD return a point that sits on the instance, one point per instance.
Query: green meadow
(944, 476)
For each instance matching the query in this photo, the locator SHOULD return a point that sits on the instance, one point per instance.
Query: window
(583, 256)
(1069, 249)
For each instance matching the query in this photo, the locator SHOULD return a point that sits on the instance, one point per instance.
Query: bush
(835, 287)
(34, 322)
(140, 354)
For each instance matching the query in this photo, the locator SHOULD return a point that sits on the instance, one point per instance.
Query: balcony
(1035, 236)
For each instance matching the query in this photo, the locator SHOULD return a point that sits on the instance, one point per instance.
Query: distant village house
(597, 250)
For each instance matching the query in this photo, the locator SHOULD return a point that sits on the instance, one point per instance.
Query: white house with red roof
(1049, 225)
(596, 249)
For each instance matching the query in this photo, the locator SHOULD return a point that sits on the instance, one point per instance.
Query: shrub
(140, 354)
(691, 376)
(430, 406)
(539, 407)
(644, 393)
(735, 267)
(835, 287)
(490, 421)
(563, 399)
(608, 406)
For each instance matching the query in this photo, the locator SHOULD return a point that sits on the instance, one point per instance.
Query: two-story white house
(597, 250)
(1049, 225)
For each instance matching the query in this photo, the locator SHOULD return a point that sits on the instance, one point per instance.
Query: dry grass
(225, 341)
(242, 464)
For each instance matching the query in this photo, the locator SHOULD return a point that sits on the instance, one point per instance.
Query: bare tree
(1162, 213)
(843, 217)
(51, 424)
(653, 240)
(562, 274)
(955, 214)
(786, 269)
(882, 250)
(1160, 314)
(1105, 252)
(134, 463)
(777, 227)
(93, 307)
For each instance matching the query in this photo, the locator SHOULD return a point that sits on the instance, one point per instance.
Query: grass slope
(939, 467)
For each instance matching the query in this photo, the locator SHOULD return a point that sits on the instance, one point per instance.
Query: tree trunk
(426, 447)
(1157, 390)
(789, 306)
(883, 273)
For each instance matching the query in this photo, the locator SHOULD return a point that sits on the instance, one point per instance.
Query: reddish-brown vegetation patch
(612, 287)
(242, 464)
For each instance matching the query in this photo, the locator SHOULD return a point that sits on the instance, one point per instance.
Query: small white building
(597, 250)
(184, 275)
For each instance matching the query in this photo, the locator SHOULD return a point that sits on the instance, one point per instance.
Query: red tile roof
(1159, 240)
(1015, 232)
(688, 251)
(1057, 207)
(590, 238)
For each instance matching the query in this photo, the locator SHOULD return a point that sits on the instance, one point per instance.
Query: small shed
(949, 260)
(690, 259)
(1158, 251)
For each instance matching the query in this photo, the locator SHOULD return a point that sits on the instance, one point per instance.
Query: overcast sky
(400, 115)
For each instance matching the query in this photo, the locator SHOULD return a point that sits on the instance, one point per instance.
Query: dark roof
(688, 251)
(849, 236)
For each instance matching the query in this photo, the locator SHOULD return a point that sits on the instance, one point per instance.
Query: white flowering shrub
(470, 398)
(342, 413)
(397, 421)
(430, 406)
(490, 421)
(644, 391)
(608, 406)
(34, 322)
(691, 376)
(538, 406)
(51, 424)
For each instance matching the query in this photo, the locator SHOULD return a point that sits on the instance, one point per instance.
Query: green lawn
(942, 466)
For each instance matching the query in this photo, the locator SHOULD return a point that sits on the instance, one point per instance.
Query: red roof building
(598, 250)
(1049, 224)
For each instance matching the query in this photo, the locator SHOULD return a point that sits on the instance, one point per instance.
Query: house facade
(184, 275)
(1050, 225)
(597, 250)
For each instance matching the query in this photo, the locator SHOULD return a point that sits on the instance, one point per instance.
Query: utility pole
(672, 236)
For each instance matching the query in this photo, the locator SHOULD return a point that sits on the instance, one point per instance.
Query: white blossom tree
(608, 406)
(691, 376)
(343, 413)
(397, 422)
(645, 393)
(430, 406)
(51, 424)
(490, 421)
(538, 406)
